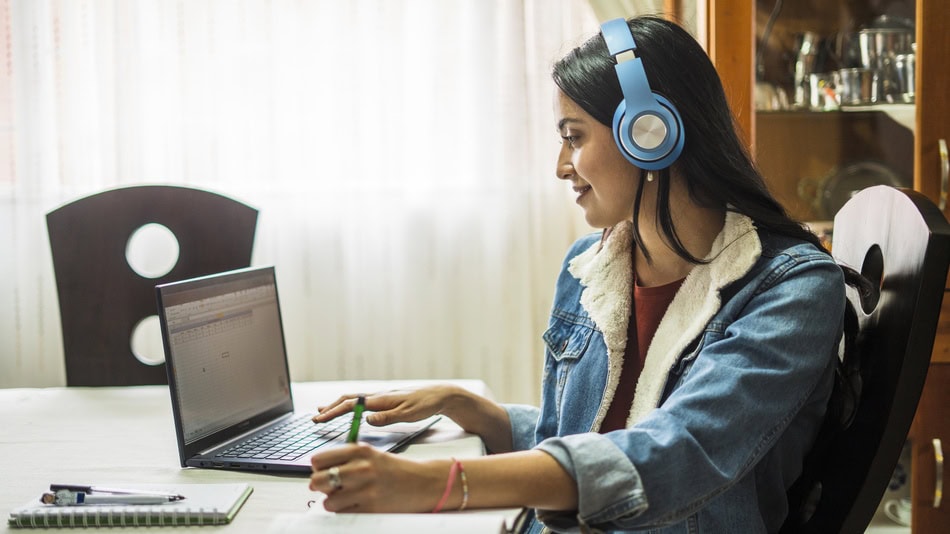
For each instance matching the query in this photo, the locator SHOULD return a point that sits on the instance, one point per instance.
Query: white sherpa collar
(606, 272)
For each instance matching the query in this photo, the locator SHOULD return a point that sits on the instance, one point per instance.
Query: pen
(357, 418)
(79, 498)
(118, 491)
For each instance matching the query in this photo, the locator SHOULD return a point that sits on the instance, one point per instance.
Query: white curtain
(401, 154)
(691, 14)
(610, 9)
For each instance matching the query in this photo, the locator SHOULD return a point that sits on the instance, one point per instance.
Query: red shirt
(649, 306)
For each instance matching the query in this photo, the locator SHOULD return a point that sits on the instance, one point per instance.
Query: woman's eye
(570, 139)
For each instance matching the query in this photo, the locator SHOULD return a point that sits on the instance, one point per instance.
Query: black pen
(357, 418)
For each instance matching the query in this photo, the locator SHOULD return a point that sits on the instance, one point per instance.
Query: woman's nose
(565, 169)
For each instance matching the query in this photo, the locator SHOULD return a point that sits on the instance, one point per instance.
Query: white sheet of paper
(471, 522)
(466, 447)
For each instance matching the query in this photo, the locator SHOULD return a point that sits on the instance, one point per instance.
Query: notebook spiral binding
(117, 516)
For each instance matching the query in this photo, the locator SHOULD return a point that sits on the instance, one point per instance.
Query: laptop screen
(225, 350)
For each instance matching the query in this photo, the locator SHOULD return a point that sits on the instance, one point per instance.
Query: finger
(340, 399)
(338, 407)
(355, 509)
(397, 410)
(321, 481)
(355, 493)
(352, 497)
(347, 502)
(373, 403)
(382, 418)
(335, 456)
(343, 483)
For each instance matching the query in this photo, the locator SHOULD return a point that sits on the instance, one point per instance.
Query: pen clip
(69, 487)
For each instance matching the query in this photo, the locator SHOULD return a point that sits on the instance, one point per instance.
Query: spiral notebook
(204, 504)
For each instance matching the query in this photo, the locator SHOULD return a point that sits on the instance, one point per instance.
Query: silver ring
(333, 475)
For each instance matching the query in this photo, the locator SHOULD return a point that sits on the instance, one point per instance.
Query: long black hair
(718, 169)
(719, 173)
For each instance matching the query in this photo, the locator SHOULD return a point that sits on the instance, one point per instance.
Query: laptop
(230, 382)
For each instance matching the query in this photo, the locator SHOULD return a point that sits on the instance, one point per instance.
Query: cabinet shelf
(903, 114)
(799, 152)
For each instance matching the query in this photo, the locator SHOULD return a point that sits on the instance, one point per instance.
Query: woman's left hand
(360, 478)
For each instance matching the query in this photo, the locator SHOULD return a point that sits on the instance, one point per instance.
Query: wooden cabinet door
(932, 422)
(933, 125)
(933, 104)
(731, 46)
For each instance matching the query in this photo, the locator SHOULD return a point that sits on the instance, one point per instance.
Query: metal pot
(904, 72)
(855, 87)
(880, 44)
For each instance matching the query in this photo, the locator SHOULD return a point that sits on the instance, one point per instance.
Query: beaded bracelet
(464, 485)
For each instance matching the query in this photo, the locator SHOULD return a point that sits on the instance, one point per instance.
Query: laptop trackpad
(377, 435)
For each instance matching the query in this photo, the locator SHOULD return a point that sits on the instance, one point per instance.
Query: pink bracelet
(448, 486)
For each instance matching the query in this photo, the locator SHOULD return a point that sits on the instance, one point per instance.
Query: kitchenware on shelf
(857, 86)
(876, 45)
(828, 193)
(892, 22)
(880, 48)
(844, 49)
(898, 510)
(904, 70)
(821, 93)
(806, 63)
(770, 97)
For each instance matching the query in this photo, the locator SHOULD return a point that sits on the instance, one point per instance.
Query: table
(126, 434)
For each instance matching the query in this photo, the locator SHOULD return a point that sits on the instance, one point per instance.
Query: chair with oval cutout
(900, 241)
(107, 297)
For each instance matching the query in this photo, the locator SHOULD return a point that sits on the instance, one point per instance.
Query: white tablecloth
(108, 436)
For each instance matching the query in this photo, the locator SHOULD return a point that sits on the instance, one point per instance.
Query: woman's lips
(581, 191)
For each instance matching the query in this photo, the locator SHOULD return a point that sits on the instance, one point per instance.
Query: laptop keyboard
(289, 441)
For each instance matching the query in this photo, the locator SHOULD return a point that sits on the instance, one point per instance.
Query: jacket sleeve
(524, 420)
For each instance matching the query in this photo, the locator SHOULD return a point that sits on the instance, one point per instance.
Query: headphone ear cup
(650, 138)
(649, 133)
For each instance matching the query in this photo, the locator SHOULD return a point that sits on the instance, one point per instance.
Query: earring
(650, 177)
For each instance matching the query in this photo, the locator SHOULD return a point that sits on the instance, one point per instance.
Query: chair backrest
(899, 240)
(102, 299)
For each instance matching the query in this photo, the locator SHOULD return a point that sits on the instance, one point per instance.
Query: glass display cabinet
(835, 96)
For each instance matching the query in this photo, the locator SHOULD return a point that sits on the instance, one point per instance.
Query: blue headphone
(647, 128)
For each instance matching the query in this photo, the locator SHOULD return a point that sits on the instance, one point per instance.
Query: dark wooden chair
(900, 241)
(102, 299)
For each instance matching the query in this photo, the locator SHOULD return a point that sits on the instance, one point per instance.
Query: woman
(692, 345)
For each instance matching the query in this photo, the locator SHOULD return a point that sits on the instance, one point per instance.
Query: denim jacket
(732, 393)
